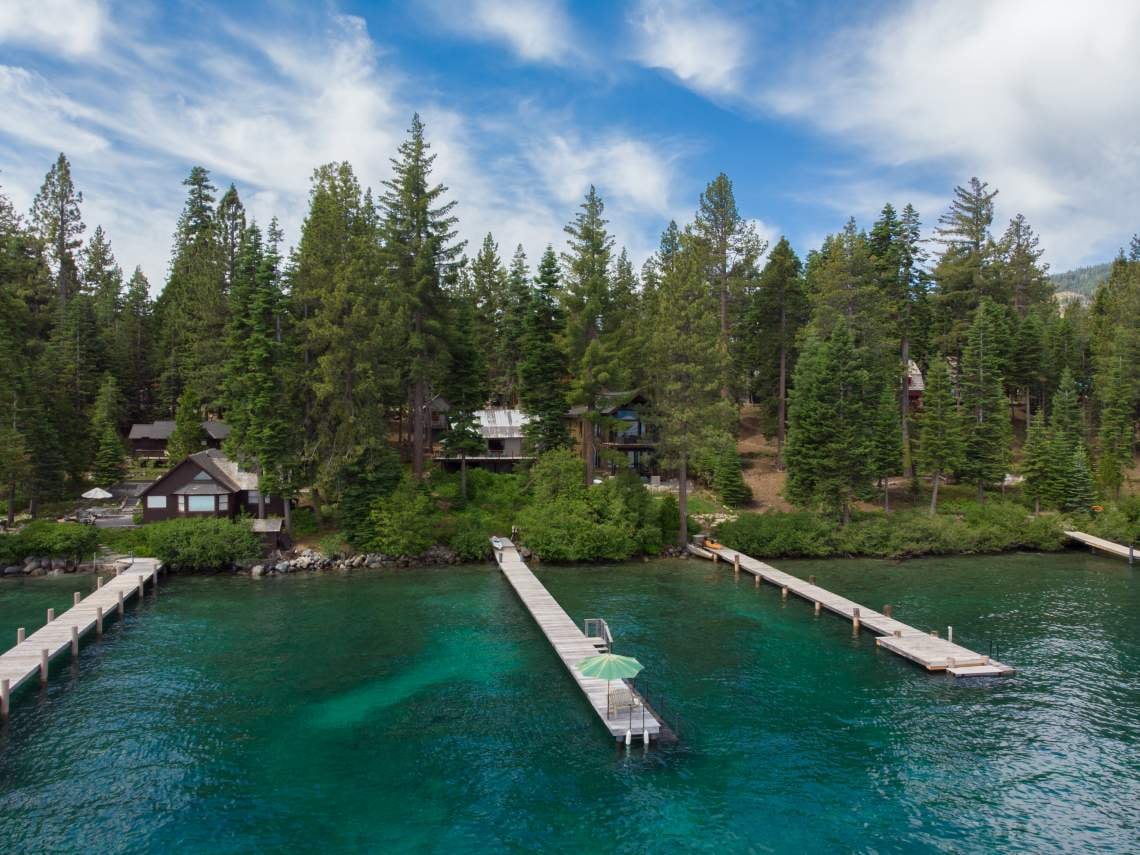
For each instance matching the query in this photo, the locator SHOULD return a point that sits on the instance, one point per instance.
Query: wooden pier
(33, 654)
(572, 646)
(1102, 545)
(926, 649)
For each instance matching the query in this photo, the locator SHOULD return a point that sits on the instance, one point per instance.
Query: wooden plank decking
(1117, 549)
(926, 649)
(25, 660)
(572, 646)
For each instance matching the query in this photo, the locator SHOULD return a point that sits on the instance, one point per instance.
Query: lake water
(423, 711)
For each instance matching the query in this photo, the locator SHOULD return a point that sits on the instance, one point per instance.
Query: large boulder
(257, 571)
(15, 570)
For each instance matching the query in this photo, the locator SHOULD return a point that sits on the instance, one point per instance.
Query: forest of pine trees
(325, 356)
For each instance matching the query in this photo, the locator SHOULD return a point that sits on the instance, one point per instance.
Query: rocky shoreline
(277, 563)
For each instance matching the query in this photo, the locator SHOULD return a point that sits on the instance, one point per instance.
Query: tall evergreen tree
(466, 391)
(188, 436)
(1038, 467)
(1116, 432)
(1026, 278)
(231, 230)
(136, 342)
(419, 255)
(980, 381)
(542, 373)
(777, 311)
(110, 452)
(886, 443)
(941, 448)
(57, 221)
(687, 368)
(830, 423)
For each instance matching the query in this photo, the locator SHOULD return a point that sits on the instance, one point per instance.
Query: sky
(817, 112)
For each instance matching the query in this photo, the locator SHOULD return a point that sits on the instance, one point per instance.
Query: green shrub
(471, 538)
(202, 544)
(790, 535)
(48, 539)
(124, 541)
(333, 545)
(1119, 522)
(403, 523)
(373, 475)
(304, 523)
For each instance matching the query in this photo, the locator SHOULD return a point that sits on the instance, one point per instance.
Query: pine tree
(188, 436)
(1065, 417)
(964, 272)
(1116, 431)
(419, 254)
(1026, 280)
(830, 425)
(984, 405)
(886, 442)
(542, 372)
(15, 466)
(191, 312)
(777, 311)
(1037, 465)
(593, 348)
(136, 341)
(516, 310)
(106, 420)
(466, 391)
(1077, 489)
(686, 365)
(231, 229)
(57, 221)
(728, 479)
(941, 447)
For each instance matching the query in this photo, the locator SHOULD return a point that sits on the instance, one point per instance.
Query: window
(495, 445)
(181, 504)
(253, 497)
(223, 502)
(203, 476)
(157, 502)
(198, 504)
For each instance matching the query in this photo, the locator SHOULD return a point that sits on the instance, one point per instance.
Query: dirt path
(758, 460)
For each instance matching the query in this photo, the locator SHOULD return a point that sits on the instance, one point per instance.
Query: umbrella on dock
(97, 493)
(609, 667)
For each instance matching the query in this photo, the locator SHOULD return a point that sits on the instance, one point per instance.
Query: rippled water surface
(423, 711)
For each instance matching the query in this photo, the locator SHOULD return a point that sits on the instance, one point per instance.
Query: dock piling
(20, 635)
(121, 604)
(45, 655)
(811, 580)
(736, 564)
(140, 588)
(98, 582)
(855, 621)
(50, 615)
(75, 598)
(950, 634)
(99, 621)
(74, 641)
(818, 607)
(5, 693)
(887, 609)
(784, 592)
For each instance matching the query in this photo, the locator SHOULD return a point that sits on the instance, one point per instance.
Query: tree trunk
(33, 506)
(683, 502)
(463, 475)
(981, 490)
(934, 493)
(886, 494)
(288, 506)
(316, 504)
(588, 449)
(724, 327)
(781, 401)
(908, 464)
(846, 518)
(418, 430)
(11, 505)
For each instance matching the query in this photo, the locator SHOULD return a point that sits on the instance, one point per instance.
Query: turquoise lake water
(422, 711)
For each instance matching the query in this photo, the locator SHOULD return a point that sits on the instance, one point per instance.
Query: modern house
(502, 431)
(622, 437)
(148, 441)
(206, 483)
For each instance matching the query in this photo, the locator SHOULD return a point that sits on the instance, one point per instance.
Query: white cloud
(536, 30)
(71, 27)
(702, 46)
(263, 110)
(1038, 97)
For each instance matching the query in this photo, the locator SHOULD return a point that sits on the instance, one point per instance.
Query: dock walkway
(927, 649)
(1117, 549)
(572, 646)
(34, 653)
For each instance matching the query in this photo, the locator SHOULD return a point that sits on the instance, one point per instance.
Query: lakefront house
(205, 484)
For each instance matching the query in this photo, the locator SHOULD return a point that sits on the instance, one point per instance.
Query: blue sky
(816, 111)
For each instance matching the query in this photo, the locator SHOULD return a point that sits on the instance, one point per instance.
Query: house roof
(224, 471)
(610, 401)
(203, 488)
(501, 423)
(163, 430)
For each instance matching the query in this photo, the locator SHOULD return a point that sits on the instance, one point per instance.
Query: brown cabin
(148, 441)
(205, 484)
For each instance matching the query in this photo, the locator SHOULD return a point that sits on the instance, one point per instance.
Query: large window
(181, 504)
(198, 504)
(223, 502)
(157, 502)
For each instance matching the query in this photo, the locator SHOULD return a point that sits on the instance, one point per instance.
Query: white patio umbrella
(97, 493)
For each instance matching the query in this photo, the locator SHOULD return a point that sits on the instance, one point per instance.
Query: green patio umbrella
(609, 666)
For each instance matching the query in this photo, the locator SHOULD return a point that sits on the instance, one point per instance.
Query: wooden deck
(30, 657)
(925, 649)
(572, 646)
(1101, 544)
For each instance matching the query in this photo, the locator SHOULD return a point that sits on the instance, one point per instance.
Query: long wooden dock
(926, 649)
(1099, 543)
(572, 646)
(33, 654)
